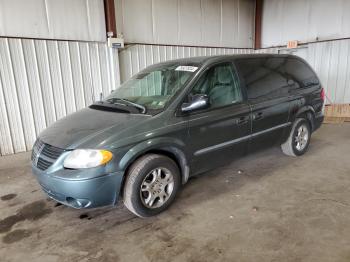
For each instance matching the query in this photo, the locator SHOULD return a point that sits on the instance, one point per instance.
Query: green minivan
(175, 120)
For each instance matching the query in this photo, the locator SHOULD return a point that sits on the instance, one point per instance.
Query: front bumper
(85, 193)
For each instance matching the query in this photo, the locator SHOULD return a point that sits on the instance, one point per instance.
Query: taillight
(323, 94)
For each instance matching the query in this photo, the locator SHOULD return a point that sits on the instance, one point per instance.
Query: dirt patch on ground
(32, 211)
(16, 235)
(8, 197)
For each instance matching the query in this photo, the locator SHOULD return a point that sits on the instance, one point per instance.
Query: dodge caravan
(175, 120)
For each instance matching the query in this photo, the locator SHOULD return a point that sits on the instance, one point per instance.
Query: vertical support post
(258, 18)
(113, 56)
(111, 27)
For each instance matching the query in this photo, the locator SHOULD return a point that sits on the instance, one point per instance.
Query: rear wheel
(299, 138)
(151, 185)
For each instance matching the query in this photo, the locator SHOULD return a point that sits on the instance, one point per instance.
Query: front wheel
(151, 185)
(299, 138)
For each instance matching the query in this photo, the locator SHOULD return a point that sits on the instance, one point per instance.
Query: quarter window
(300, 73)
(220, 83)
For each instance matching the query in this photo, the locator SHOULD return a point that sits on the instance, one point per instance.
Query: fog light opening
(78, 203)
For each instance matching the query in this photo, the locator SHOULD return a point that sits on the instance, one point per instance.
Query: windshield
(153, 87)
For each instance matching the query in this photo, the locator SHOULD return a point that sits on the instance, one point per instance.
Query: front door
(221, 132)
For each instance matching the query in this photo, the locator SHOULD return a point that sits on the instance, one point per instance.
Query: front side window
(220, 83)
(152, 88)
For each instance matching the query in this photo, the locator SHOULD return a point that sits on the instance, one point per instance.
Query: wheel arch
(308, 113)
(169, 148)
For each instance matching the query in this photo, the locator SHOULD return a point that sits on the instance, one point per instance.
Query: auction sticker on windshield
(186, 68)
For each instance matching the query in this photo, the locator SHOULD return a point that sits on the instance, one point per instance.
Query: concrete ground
(264, 207)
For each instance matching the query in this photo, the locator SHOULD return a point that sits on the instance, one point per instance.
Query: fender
(294, 114)
(166, 144)
(306, 109)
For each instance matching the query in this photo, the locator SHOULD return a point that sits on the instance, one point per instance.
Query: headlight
(86, 158)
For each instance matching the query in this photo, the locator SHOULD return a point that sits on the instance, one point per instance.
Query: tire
(291, 147)
(145, 185)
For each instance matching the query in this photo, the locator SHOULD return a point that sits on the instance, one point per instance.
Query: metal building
(54, 56)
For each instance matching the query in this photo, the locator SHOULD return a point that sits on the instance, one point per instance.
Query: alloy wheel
(301, 137)
(157, 187)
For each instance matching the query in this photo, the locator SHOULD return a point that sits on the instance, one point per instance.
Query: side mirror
(198, 102)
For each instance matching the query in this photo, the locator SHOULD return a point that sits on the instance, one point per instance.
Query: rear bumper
(88, 193)
(318, 121)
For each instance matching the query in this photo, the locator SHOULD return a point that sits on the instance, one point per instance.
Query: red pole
(111, 27)
(258, 18)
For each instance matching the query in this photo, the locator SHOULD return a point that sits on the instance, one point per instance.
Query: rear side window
(300, 73)
(263, 77)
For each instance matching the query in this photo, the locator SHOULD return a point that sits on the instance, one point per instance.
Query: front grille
(42, 164)
(51, 151)
(44, 155)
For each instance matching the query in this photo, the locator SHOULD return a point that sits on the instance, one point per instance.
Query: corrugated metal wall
(331, 61)
(81, 20)
(217, 23)
(42, 81)
(304, 20)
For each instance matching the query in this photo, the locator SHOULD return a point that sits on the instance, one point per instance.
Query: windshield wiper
(141, 107)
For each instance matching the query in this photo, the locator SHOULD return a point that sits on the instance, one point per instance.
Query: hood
(89, 127)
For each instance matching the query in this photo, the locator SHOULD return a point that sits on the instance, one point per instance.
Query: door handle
(258, 116)
(242, 120)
